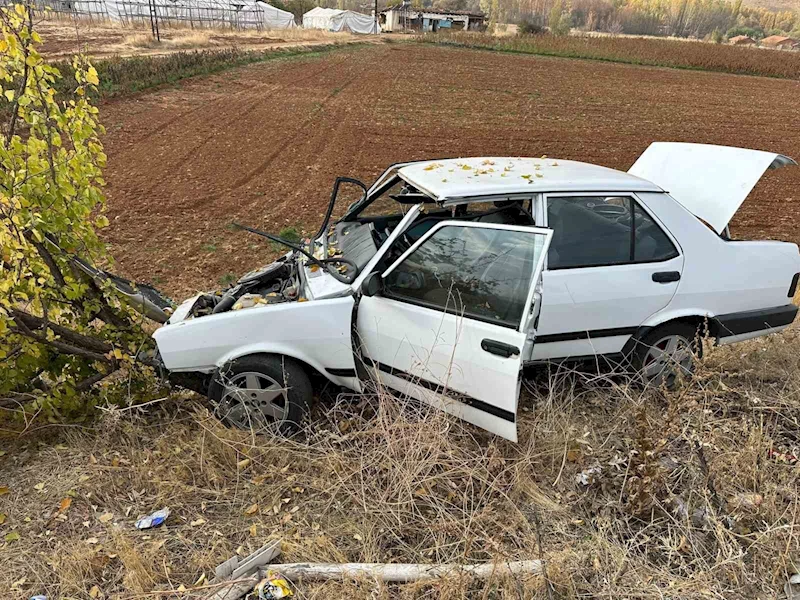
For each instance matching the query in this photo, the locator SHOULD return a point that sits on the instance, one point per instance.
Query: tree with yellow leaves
(61, 331)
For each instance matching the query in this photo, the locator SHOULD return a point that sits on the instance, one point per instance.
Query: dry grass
(685, 496)
(186, 39)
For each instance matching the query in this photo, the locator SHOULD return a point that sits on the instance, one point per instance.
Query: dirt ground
(263, 144)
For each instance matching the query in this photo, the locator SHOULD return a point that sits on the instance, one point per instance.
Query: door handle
(666, 276)
(499, 348)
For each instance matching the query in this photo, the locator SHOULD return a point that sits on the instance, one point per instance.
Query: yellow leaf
(91, 76)
(65, 504)
(12, 536)
(243, 463)
(39, 486)
(197, 522)
(105, 517)
(2, 518)
(251, 510)
(94, 592)
(3, 490)
(253, 530)
(117, 353)
(9, 94)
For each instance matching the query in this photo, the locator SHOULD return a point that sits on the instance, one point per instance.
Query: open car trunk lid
(711, 182)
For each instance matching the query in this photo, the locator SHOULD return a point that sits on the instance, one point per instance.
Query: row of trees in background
(680, 18)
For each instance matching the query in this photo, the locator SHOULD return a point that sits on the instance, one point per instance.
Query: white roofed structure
(331, 19)
(237, 14)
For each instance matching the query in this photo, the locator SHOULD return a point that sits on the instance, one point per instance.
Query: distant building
(779, 41)
(742, 40)
(404, 17)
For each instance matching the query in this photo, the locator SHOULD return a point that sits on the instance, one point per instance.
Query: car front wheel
(667, 354)
(262, 392)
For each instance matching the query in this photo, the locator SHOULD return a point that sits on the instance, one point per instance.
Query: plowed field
(262, 144)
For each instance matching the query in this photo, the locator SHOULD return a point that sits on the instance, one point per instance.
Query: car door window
(591, 231)
(652, 244)
(481, 272)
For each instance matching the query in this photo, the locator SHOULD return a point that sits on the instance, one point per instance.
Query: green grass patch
(121, 76)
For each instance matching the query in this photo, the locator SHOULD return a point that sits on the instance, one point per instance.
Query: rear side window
(652, 244)
(594, 231)
(480, 272)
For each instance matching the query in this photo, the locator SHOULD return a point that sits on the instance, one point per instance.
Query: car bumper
(739, 326)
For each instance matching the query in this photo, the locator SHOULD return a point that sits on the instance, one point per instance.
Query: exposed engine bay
(275, 283)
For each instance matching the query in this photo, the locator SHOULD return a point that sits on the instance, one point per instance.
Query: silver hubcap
(667, 359)
(253, 399)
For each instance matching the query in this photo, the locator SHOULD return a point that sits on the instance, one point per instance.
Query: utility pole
(154, 19)
(377, 23)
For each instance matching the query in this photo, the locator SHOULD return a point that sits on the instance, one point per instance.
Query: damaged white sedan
(448, 276)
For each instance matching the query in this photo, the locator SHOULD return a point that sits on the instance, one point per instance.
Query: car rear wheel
(667, 354)
(262, 393)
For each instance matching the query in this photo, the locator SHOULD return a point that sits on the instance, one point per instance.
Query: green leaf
(12, 536)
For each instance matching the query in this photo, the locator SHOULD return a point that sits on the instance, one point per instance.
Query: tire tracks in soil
(230, 115)
(292, 139)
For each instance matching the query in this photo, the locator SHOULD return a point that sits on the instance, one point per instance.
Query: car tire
(264, 392)
(666, 355)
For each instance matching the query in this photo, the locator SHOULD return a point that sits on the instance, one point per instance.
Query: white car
(448, 276)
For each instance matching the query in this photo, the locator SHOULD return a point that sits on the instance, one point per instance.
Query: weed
(209, 247)
(228, 279)
(288, 233)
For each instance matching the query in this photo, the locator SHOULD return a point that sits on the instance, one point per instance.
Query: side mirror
(372, 285)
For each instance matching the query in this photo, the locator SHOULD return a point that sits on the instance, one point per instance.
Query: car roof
(456, 180)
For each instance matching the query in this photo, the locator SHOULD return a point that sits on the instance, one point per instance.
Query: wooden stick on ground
(402, 573)
(243, 576)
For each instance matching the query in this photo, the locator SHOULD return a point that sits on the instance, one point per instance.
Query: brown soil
(263, 144)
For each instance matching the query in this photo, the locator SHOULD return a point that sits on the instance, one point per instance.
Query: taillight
(793, 286)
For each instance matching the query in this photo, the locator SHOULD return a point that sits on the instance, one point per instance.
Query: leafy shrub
(532, 25)
(755, 33)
